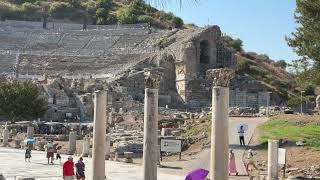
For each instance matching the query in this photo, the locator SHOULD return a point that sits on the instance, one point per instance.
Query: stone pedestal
(86, 146)
(5, 137)
(273, 146)
(99, 135)
(150, 140)
(72, 143)
(220, 123)
(30, 132)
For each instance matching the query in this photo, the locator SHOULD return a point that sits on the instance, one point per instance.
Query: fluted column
(99, 135)
(150, 140)
(220, 123)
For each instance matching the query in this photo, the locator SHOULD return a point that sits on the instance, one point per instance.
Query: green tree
(21, 101)
(306, 39)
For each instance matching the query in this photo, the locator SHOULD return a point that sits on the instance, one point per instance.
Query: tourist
(232, 164)
(251, 161)
(241, 135)
(27, 154)
(58, 156)
(50, 151)
(80, 170)
(68, 169)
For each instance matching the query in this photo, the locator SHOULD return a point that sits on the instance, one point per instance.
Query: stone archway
(204, 52)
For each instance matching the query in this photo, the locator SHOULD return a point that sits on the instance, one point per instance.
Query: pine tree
(306, 39)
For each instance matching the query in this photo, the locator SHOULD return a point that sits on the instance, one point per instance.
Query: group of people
(250, 165)
(68, 169)
(51, 149)
(68, 166)
(232, 168)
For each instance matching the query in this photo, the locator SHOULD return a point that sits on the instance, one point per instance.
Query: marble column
(150, 140)
(220, 123)
(99, 135)
(86, 146)
(72, 142)
(273, 146)
(5, 136)
(30, 132)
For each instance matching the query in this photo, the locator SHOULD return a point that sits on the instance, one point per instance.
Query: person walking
(68, 169)
(232, 164)
(27, 154)
(58, 155)
(50, 151)
(251, 161)
(80, 169)
(241, 135)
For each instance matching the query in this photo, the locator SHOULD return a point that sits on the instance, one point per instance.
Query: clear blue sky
(261, 24)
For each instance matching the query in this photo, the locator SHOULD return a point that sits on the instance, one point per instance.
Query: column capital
(152, 79)
(221, 77)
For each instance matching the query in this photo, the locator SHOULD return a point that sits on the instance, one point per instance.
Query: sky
(261, 24)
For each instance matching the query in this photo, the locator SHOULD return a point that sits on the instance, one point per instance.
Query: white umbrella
(245, 127)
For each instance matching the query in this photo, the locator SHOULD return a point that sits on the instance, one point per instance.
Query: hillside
(98, 12)
(269, 72)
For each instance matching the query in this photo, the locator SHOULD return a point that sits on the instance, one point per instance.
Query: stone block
(25, 178)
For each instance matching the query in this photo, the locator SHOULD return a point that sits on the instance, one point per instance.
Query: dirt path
(202, 160)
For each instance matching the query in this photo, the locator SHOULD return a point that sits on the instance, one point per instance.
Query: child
(27, 155)
(58, 153)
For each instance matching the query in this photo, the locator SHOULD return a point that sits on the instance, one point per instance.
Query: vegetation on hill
(291, 130)
(89, 12)
(271, 73)
(21, 101)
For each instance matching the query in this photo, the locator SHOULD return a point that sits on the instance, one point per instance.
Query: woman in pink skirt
(232, 164)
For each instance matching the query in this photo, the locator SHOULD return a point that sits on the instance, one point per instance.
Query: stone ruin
(69, 64)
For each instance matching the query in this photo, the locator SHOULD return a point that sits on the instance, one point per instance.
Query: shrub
(29, 8)
(103, 17)
(242, 66)
(237, 45)
(178, 22)
(127, 16)
(106, 4)
(294, 102)
(60, 9)
(145, 19)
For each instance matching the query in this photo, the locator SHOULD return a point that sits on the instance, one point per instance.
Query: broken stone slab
(128, 157)
(25, 178)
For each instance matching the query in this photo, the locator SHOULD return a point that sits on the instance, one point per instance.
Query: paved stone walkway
(12, 161)
(202, 160)
(12, 164)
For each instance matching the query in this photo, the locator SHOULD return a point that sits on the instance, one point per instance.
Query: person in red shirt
(68, 169)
